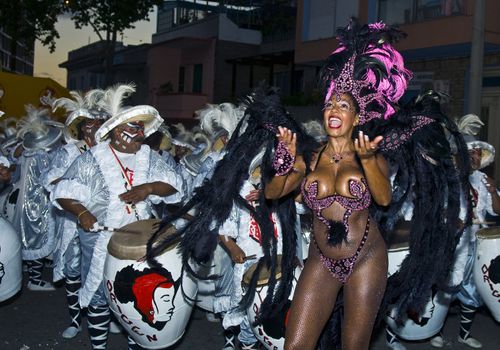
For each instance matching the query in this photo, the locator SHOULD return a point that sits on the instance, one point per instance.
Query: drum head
(130, 244)
(489, 233)
(263, 275)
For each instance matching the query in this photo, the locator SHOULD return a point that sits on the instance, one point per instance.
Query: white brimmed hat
(487, 151)
(37, 131)
(111, 103)
(79, 108)
(469, 125)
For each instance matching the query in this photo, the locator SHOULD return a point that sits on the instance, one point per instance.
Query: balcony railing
(411, 11)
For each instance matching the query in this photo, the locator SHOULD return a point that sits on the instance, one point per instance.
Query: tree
(29, 20)
(108, 19)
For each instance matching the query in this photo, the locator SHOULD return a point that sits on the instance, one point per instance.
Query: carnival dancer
(110, 186)
(83, 119)
(34, 218)
(485, 200)
(362, 82)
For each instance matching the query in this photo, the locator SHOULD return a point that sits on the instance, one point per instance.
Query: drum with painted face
(271, 333)
(10, 261)
(148, 302)
(8, 201)
(486, 268)
(431, 320)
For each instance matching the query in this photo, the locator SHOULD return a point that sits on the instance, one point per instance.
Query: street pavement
(35, 320)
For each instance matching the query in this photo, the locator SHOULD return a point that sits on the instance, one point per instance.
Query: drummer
(110, 186)
(83, 119)
(485, 199)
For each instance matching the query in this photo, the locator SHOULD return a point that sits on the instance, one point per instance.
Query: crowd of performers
(252, 190)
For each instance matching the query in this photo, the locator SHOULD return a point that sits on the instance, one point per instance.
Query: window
(197, 78)
(182, 75)
(409, 11)
(322, 17)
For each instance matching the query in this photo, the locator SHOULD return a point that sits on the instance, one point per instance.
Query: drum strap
(129, 180)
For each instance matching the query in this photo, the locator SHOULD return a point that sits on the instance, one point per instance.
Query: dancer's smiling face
(340, 115)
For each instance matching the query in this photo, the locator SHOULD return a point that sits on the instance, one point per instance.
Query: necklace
(336, 157)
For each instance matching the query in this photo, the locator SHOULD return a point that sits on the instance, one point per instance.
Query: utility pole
(476, 59)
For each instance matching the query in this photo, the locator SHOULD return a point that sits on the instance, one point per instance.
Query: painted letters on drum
(486, 269)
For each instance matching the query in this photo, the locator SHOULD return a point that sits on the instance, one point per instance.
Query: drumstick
(250, 257)
(484, 223)
(112, 229)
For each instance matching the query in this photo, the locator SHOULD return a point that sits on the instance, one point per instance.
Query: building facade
(86, 68)
(212, 53)
(437, 48)
(22, 61)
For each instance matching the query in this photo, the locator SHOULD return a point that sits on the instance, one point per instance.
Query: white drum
(8, 201)
(10, 261)
(270, 333)
(431, 320)
(149, 303)
(486, 268)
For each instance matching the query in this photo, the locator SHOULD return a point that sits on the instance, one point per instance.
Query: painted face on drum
(154, 295)
(163, 302)
(152, 291)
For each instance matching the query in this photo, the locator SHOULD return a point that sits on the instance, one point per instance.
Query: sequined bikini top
(360, 191)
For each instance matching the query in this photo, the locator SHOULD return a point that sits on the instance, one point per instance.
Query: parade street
(35, 320)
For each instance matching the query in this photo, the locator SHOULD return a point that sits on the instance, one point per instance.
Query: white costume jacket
(95, 179)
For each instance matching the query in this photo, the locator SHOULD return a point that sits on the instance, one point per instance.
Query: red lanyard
(124, 171)
(129, 181)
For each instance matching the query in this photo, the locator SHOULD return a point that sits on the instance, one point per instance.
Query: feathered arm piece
(215, 199)
(425, 174)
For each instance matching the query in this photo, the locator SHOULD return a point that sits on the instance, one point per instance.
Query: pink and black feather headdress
(368, 67)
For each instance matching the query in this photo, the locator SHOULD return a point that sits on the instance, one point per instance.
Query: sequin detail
(342, 269)
(283, 160)
(398, 137)
(361, 201)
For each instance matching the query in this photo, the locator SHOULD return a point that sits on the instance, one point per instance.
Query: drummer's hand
(87, 220)
(490, 184)
(237, 255)
(136, 194)
(253, 195)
